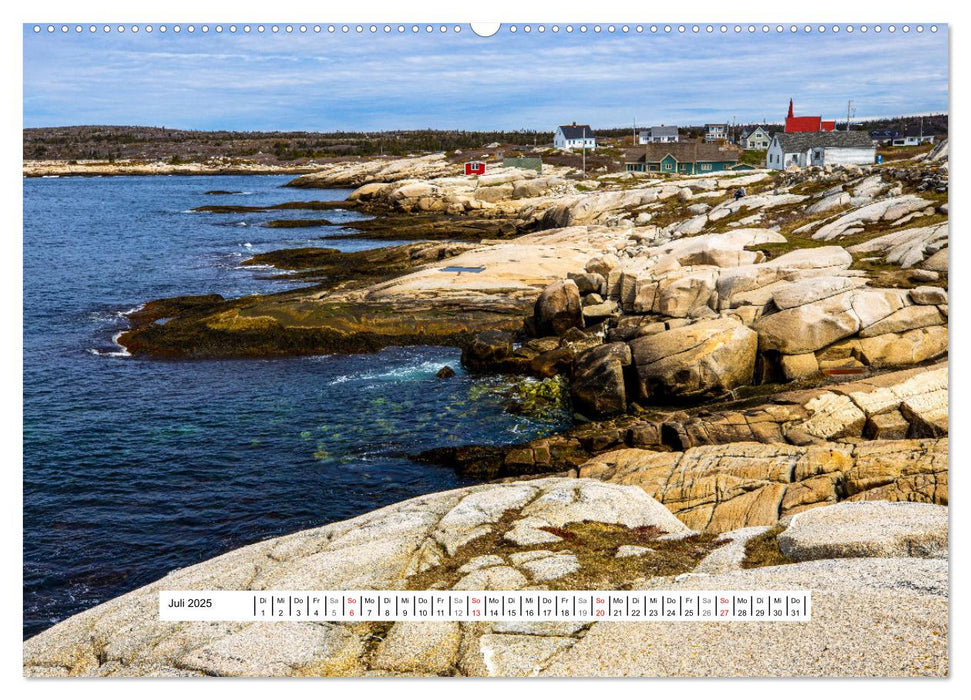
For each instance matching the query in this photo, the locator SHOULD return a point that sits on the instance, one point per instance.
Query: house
(805, 125)
(755, 139)
(574, 136)
(686, 157)
(820, 148)
(658, 134)
(913, 136)
(716, 132)
(880, 136)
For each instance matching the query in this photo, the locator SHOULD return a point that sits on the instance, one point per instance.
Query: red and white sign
(475, 167)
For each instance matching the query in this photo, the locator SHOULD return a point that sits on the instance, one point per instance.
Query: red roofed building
(803, 125)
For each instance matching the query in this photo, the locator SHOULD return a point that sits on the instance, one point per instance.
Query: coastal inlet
(133, 468)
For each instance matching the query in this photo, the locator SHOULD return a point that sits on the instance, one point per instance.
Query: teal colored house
(686, 158)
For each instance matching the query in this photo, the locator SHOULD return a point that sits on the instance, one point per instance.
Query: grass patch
(763, 550)
(754, 158)
(892, 153)
(594, 544)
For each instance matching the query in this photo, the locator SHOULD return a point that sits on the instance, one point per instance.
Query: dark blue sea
(135, 467)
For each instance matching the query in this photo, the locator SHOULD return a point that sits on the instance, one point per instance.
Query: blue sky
(325, 82)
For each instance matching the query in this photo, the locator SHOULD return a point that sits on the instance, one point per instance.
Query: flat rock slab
(868, 529)
(382, 549)
(848, 636)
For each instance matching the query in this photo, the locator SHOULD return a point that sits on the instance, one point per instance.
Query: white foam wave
(121, 352)
(405, 373)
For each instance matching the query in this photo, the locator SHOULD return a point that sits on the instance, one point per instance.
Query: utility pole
(584, 149)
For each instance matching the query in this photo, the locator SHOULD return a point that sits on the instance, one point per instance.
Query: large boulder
(588, 282)
(867, 529)
(598, 388)
(928, 295)
(704, 358)
(686, 293)
(488, 350)
(833, 201)
(805, 262)
(909, 348)
(906, 319)
(813, 258)
(908, 247)
(890, 209)
(813, 326)
(558, 308)
(806, 291)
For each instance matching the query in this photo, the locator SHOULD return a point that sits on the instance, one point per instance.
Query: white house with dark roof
(913, 136)
(755, 139)
(658, 134)
(820, 148)
(575, 136)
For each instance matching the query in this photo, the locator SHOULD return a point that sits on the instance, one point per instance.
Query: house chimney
(574, 123)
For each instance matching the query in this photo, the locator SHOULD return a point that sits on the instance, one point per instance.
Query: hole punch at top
(485, 29)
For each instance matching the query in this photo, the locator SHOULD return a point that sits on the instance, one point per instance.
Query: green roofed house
(690, 157)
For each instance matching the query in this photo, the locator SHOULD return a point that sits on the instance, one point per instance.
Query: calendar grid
(586, 606)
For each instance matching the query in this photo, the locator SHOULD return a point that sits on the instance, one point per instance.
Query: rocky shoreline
(549, 533)
(761, 393)
(214, 166)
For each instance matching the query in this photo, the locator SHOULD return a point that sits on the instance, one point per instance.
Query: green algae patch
(544, 399)
(243, 209)
(357, 268)
(763, 550)
(431, 227)
(297, 223)
(297, 258)
(288, 324)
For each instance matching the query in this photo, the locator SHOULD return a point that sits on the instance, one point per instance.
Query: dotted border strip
(455, 28)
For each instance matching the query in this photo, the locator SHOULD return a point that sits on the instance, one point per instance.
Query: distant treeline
(934, 124)
(152, 143)
(179, 146)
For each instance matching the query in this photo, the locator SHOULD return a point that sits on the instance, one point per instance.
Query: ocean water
(135, 467)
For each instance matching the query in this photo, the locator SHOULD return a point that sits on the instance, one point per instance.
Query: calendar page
(417, 349)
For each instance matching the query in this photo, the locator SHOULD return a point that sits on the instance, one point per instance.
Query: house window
(706, 166)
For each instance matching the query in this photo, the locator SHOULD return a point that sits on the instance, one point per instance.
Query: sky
(510, 81)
